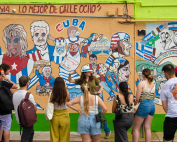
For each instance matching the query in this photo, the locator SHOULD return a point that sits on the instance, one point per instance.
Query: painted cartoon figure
(120, 42)
(15, 39)
(122, 74)
(45, 79)
(42, 50)
(72, 59)
(118, 68)
(99, 70)
(123, 70)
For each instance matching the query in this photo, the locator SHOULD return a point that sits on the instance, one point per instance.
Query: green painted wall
(143, 9)
(155, 9)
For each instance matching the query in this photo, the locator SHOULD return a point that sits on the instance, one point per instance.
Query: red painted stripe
(34, 57)
(38, 55)
(147, 56)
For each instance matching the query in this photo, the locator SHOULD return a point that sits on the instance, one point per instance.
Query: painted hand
(72, 72)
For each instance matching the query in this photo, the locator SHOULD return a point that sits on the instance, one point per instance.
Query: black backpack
(6, 104)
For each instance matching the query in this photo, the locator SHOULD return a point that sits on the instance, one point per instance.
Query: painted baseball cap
(86, 68)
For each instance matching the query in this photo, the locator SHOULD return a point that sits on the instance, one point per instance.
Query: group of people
(91, 104)
(90, 129)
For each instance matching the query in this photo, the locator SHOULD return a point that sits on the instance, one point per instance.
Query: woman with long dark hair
(145, 95)
(87, 77)
(60, 123)
(125, 102)
(87, 125)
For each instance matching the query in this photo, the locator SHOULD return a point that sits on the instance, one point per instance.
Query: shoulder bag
(137, 105)
(49, 109)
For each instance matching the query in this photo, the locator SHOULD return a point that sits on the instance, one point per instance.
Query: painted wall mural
(157, 48)
(63, 53)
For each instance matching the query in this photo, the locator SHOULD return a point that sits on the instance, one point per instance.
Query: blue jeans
(106, 128)
(88, 125)
(146, 107)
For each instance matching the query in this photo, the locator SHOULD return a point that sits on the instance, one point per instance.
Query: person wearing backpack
(5, 113)
(18, 97)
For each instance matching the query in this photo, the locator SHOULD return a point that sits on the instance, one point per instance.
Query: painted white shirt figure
(44, 52)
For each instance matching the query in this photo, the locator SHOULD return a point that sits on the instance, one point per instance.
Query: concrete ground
(75, 137)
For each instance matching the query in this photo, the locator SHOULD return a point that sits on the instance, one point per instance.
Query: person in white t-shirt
(28, 132)
(168, 97)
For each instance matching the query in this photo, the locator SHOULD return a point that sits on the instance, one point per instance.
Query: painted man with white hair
(42, 50)
(45, 78)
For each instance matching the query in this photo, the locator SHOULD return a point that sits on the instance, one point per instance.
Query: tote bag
(49, 109)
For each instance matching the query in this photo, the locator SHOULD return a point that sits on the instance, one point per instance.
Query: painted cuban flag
(59, 51)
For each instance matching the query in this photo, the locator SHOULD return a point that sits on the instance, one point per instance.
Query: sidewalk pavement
(75, 137)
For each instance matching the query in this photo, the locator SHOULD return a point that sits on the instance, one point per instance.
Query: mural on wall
(66, 54)
(158, 47)
(116, 68)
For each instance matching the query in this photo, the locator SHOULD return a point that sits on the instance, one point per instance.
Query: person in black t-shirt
(5, 119)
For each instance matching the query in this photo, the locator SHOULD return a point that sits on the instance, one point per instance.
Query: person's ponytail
(123, 86)
(126, 96)
(85, 90)
(150, 78)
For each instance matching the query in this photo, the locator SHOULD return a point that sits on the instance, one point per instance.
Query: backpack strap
(27, 95)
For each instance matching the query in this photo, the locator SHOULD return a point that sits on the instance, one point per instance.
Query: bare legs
(86, 138)
(147, 126)
(6, 136)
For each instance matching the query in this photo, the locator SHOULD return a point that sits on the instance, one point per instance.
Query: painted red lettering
(45, 8)
(60, 9)
(81, 8)
(57, 27)
(31, 9)
(24, 9)
(84, 8)
(93, 8)
(53, 9)
(75, 8)
(2, 9)
(71, 9)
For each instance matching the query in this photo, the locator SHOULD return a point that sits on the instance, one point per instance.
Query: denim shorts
(146, 107)
(5, 121)
(88, 125)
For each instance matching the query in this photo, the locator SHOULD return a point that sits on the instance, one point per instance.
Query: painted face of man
(47, 73)
(124, 73)
(126, 46)
(13, 46)
(93, 60)
(72, 34)
(40, 36)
